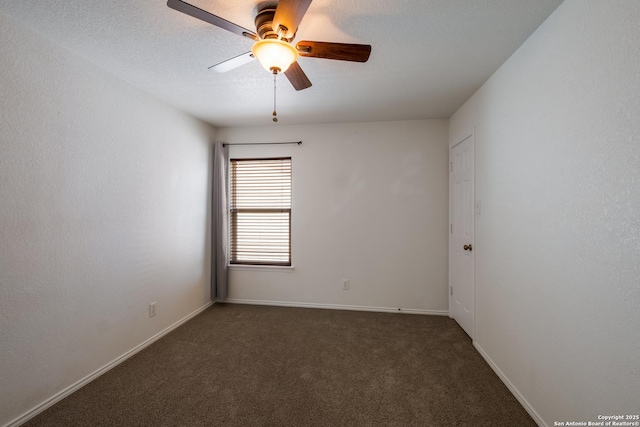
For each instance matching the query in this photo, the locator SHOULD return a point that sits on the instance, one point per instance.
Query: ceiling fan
(276, 27)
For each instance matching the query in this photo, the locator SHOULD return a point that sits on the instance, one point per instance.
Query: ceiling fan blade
(205, 16)
(339, 51)
(288, 14)
(297, 77)
(235, 62)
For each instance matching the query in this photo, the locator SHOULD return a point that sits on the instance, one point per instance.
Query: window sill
(274, 268)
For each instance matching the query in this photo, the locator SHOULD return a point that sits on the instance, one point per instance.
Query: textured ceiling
(428, 56)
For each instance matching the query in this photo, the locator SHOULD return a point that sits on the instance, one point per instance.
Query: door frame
(452, 144)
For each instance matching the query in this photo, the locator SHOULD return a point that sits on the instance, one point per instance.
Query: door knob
(468, 247)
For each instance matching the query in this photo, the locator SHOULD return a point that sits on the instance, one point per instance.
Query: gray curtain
(220, 234)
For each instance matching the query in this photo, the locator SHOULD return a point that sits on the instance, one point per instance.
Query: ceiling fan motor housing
(264, 24)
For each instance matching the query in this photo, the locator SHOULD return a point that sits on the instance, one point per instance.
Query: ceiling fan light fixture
(274, 55)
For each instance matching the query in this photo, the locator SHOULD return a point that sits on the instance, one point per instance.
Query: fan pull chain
(275, 115)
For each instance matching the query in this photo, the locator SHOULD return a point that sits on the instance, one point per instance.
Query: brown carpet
(239, 365)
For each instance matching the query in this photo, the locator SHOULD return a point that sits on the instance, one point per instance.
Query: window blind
(260, 211)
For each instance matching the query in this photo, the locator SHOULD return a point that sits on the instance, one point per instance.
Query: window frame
(232, 220)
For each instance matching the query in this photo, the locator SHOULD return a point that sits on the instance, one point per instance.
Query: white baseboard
(79, 384)
(337, 307)
(536, 417)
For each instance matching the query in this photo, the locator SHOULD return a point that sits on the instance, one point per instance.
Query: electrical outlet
(152, 309)
(345, 284)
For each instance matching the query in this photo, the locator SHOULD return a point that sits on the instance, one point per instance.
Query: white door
(461, 256)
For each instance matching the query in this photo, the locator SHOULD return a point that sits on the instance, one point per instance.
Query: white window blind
(260, 211)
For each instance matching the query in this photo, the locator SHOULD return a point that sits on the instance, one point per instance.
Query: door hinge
(450, 166)
(451, 228)
(451, 288)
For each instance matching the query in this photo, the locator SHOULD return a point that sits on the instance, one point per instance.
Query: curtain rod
(224, 144)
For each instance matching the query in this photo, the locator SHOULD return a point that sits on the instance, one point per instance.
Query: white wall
(369, 205)
(103, 209)
(558, 238)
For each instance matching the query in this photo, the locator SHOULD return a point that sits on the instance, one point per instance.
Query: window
(260, 211)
